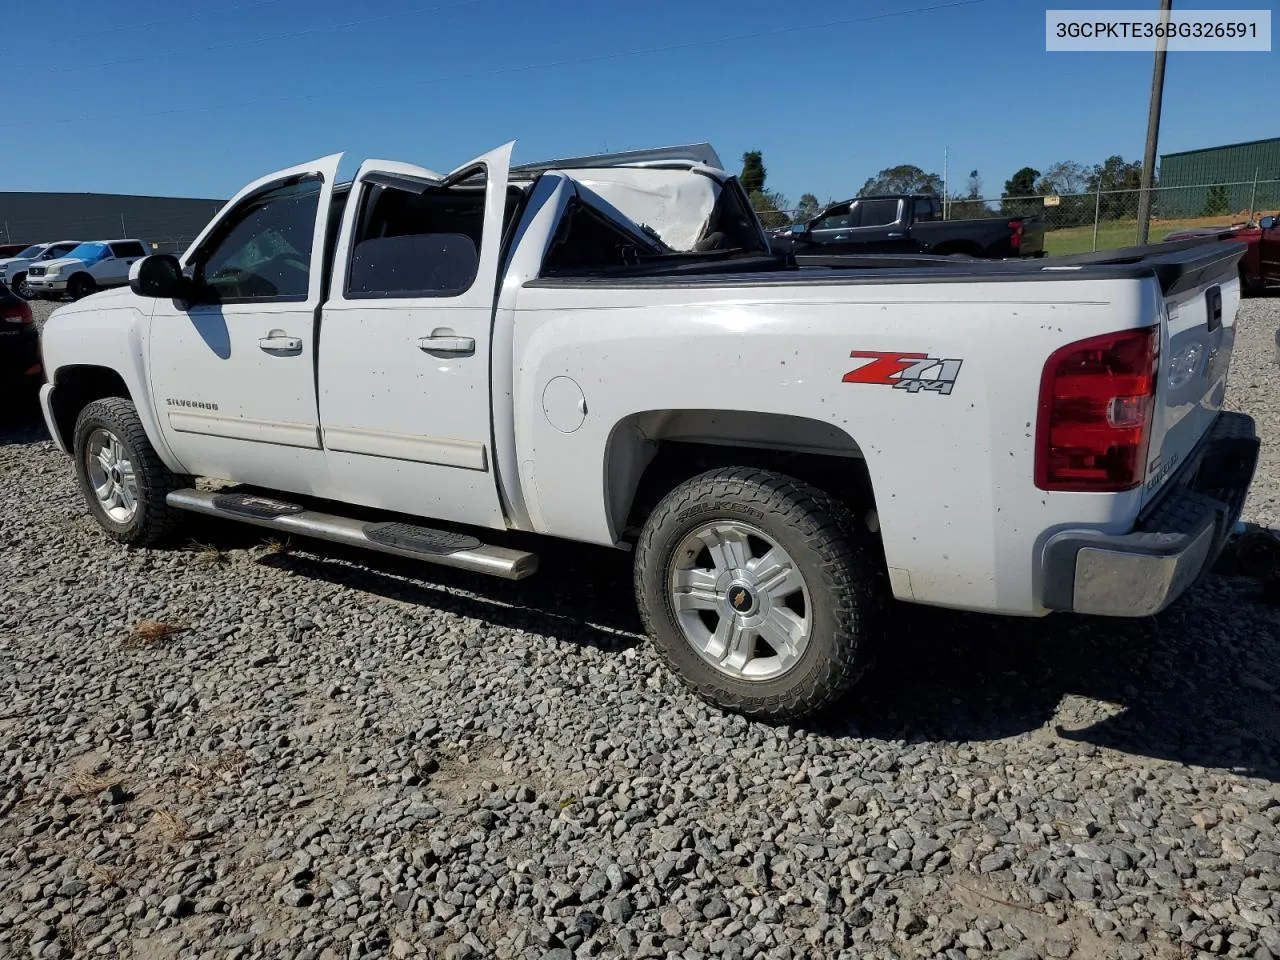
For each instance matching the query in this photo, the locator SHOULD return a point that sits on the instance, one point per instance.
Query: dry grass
(276, 547)
(225, 768)
(209, 554)
(148, 633)
(83, 784)
(171, 825)
(109, 876)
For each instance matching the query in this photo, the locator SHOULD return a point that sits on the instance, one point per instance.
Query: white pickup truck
(87, 268)
(604, 349)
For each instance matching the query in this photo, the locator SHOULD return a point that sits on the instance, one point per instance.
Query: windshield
(31, 252)
(88, 252)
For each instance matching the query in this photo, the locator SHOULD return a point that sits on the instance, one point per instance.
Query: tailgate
(1201, 293)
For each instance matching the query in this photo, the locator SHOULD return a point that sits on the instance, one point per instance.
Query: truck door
(114, 269)
(404, 380)
(233, 372)
(869, 226)
(1269, 249)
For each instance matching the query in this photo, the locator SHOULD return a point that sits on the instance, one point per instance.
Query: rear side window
(130, 248)
(416, 243)
(926, 209)
(877, 213)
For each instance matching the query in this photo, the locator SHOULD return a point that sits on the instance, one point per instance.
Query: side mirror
(159, 276)
(1267, 223)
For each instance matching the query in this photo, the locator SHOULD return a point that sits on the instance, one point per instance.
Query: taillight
(16, 313)
(1097, 397)
(1015, 238)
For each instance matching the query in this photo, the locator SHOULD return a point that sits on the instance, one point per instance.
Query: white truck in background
(86, 269)
(604, 349)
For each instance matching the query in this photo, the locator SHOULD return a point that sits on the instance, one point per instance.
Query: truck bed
(1177, 266)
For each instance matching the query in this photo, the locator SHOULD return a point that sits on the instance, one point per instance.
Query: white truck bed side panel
(952, 473)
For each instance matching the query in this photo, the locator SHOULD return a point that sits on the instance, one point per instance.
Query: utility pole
(946, 150)
(1153, 128)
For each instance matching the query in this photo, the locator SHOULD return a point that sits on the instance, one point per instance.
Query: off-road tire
(841, 563)
(154, 521)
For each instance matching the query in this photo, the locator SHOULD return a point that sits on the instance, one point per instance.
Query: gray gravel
(335, 755)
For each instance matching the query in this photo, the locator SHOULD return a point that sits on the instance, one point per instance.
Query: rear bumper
(19, 352)
(1176, 539)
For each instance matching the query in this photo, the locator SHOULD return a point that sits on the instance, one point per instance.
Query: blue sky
(199, 105)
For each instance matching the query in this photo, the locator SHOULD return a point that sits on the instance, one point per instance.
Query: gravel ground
(252, 749)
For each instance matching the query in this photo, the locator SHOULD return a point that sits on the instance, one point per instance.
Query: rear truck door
(404, 381)
(1200, 299)
(233, 371)
(115, 269)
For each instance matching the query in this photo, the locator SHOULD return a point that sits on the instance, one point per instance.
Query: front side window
(416, 243)
(837, 218)
(58, 250)
(262, 251)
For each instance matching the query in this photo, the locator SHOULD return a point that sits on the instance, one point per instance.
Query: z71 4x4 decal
(911, 372)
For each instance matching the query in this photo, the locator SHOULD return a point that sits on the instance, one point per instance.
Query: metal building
(1209, 179)
(168, 222)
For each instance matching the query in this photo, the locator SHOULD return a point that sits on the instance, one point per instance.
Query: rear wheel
(123, 480)
(763, 593)
(80, 286)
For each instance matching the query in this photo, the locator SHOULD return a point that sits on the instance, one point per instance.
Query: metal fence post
(1097, 210)
(1253, 197)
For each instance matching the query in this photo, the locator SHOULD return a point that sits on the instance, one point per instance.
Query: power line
(180, 51)
(502, 71)
(134, 25)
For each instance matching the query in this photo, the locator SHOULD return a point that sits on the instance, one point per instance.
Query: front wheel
(80, 286)
(123, 480)
(20, 286)
(763, 593)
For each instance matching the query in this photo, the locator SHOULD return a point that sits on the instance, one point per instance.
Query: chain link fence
(1108, 219)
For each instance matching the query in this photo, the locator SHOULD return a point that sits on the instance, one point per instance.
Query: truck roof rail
(702, 153)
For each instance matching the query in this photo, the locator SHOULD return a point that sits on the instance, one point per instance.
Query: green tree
(770, 207)
(1118, 181)
(753, 172)
(904, 178)
(1016, 189)
(1216, 201)
(807, 208)
(1070, 181)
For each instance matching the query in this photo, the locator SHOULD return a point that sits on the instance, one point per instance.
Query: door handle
(280, 344)
(841, 236)
(447, 345)
(895, 233)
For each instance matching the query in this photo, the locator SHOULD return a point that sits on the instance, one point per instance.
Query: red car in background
(11, 249)
(1260, 266)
